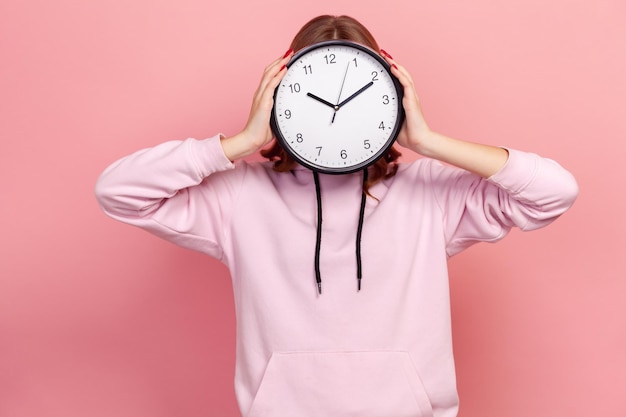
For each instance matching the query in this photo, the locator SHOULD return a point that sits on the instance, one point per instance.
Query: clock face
(338, 108)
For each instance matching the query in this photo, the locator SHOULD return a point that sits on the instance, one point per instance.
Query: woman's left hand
(415, 132)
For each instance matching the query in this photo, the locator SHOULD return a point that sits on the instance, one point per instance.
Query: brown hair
(325, 28)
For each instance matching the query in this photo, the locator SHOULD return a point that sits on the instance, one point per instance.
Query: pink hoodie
(384, 351)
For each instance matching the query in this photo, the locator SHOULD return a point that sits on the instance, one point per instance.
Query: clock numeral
(381, 126)
(355, 62)
(299, 138)
(385, 99)
(287, 114)
(366, 144)
(308, 69)
(319, 150)
(295, 88)
(343, 154)
(330, 59)
(374, 76)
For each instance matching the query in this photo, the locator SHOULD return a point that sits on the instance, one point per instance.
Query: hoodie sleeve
(529, 192)
(182, 191)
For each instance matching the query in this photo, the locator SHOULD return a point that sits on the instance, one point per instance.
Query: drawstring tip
(319, 288)
(358, 284)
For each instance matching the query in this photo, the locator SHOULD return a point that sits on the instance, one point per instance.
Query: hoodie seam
(194, 160)
(442, 212)
(227, 230)
(199, 237)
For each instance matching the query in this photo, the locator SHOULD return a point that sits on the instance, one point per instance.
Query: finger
(398, 70)
(406, 80)
(266, 97)
(285, 57)
(403, 76)
(272, 77)
(273, 69)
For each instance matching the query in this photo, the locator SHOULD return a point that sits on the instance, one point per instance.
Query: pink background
(101, 319)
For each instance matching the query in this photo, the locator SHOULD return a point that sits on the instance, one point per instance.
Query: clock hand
(359, 91)
(345, 74)
(343, 82)
(321, 100)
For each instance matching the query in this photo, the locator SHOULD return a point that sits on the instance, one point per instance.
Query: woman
(385, 350)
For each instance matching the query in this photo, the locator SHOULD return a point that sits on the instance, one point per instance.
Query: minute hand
(359, 91)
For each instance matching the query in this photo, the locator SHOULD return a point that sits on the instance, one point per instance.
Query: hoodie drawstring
(318, 242)
(359, 268)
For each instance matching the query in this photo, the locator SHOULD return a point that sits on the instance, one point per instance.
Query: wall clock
(338, 108)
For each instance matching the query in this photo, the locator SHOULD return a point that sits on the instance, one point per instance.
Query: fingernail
(282, 68)
(394, 66)
(385, 53)
(287, 53)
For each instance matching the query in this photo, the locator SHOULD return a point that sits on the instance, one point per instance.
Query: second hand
(340, 91)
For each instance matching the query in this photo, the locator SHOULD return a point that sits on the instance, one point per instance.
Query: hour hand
(321, 100)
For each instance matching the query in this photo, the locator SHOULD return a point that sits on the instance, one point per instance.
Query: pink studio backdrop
(101, 319)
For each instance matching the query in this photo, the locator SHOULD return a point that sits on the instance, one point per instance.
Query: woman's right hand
(257, 132)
